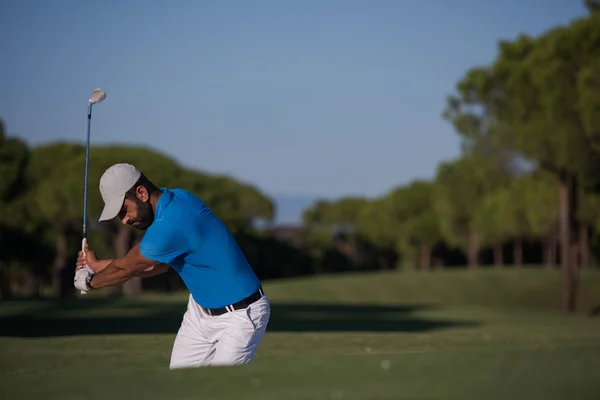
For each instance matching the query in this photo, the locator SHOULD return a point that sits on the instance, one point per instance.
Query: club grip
(83, 244)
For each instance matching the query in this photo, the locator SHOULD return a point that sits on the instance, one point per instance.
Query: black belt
(236, 306)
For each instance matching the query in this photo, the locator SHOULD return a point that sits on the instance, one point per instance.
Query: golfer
(227, 311)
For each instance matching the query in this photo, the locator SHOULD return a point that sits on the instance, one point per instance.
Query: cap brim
(112, 208)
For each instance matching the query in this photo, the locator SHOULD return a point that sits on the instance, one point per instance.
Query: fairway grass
(452, 335)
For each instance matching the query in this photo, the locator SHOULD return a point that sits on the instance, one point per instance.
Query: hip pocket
(257, 314)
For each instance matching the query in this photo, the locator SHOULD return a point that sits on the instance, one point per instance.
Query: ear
(142, 194)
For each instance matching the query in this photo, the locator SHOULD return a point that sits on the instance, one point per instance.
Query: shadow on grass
(109, 317)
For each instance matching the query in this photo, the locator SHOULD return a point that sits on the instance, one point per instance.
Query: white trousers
(228, 339)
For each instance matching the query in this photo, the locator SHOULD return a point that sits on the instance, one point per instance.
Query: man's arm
(102, 264)
(156, 270)
(122, 269)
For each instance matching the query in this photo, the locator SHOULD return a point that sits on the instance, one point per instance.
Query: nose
(124, 220)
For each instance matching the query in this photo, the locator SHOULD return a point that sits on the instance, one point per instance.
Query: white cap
(114, 183)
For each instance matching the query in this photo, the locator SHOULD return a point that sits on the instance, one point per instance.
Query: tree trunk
(350, 250)
(473, 250)
(425, 256)
(133, 287)
(549, 256)
(518, 252)
(6, 292)
(60, 269)
(584, 245)
(498, 255)
(567, 203)
(30, 286)
(122, 244)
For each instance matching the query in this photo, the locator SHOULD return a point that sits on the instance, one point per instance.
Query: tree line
(527, 179)
(525, 189)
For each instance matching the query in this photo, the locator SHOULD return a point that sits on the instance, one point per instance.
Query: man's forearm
(111, 275)
(122, 269)
(100, 265)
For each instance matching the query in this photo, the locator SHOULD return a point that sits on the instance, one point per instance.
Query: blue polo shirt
(186, 235)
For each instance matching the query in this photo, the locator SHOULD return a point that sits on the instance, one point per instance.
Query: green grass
(490, 334)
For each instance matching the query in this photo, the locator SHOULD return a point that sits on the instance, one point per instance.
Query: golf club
(98, 95)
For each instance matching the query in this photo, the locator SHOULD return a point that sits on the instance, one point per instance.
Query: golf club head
(97, 96)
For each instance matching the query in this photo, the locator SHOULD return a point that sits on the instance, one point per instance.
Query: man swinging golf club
(227, 311)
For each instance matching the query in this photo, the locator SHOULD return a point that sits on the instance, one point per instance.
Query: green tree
(377, 221)
(339, 218)
(472, 116)
(537, 192)
(340, 213)
(533, 90)
(460, 188)
(593, 6)
(418, 228)
(46, 165)
(14, 156)
(497, 220)
(588, 214)
(378, 229)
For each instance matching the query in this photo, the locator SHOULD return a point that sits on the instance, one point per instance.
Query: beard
(145, 215)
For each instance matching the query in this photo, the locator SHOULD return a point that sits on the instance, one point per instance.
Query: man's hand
(87, 258)
(83, 276)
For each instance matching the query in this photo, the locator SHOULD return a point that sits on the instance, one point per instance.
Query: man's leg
(242, 332)
(192, 348)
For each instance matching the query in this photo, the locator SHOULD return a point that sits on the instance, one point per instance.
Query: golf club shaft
(97, 96)
(85, 182)
(85, 179)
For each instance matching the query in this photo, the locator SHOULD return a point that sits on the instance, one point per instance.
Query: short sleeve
(163, 242)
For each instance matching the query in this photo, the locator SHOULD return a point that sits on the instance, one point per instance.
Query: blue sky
(301, 98)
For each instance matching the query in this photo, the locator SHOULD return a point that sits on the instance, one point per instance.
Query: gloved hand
(83, 275)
